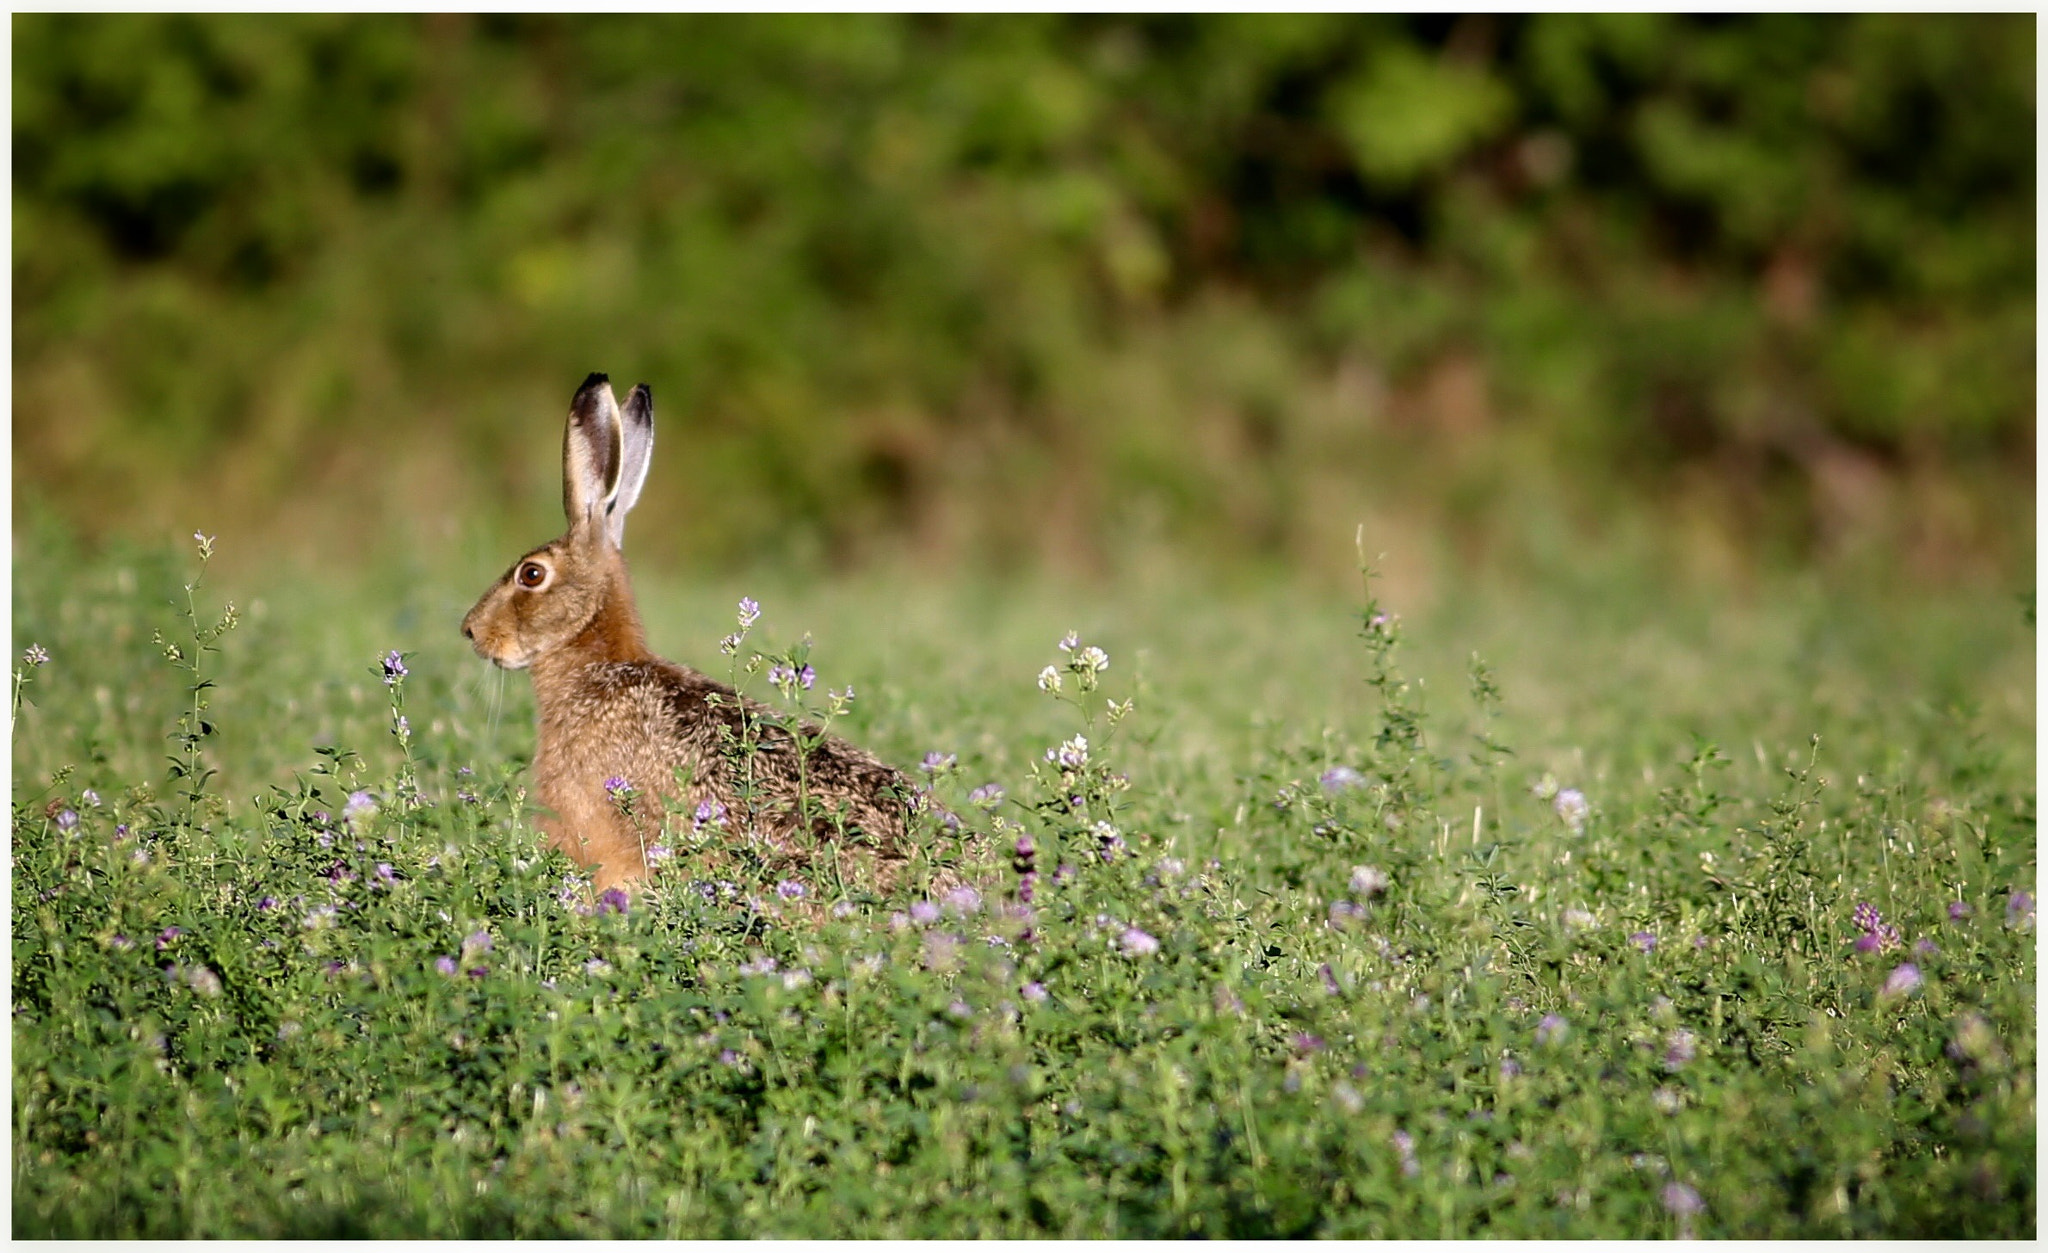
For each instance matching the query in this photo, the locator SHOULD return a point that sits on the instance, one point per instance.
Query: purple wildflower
(476, 942)
(658, 853)
(963, 900)
(1369, 881)
(1552, 1030)
(446, 965)
(1903, 979)
(1644, 940)
(385, 877)
(122, 942)
(1305, 1043)
(1509, 1068)
(67, 820)
(2019, 911)
(360, 804)
(1329, 977)
(1678, 1049)
(710, 813)
(612, 900)
(394, 668)
(1071, 754)
(617, 787)
(924, 913)
(168, 934)
(596, 966)
(478, 972)
(750, 612)
(1339, 778)
(1033, 991)
(936, 761)
(988, 795)
(1866, 917)
(1924, 947)
(1137, 943)
(1570, 804)
(35, 655)
(1958, 910)
(1681, 1200)
(790, 890)
(89, 798)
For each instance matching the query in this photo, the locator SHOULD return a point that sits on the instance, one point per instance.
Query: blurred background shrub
(1039, 289)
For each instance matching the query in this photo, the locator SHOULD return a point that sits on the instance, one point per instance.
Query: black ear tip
(595, 380)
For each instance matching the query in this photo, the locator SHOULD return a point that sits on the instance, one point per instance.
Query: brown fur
(610, 708)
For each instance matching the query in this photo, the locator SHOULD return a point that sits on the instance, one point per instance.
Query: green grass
(1274, 1068)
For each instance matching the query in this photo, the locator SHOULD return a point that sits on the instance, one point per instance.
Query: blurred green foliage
(999, 286)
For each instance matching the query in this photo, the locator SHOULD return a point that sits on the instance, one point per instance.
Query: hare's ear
(636, 447)
(592, 453)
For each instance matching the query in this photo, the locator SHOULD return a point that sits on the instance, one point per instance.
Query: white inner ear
(616, 467)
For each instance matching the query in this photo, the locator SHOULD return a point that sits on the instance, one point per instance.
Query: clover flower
(1033, 991)
(1958, 910)
(1904, 978)
(988, 795)
(612, 900)
(750, 612)
(35, 655)
(1878, 935)
(1644, 940)
(166, 936)
(963, 900)
(360, 805)
(710, 813)
(936, 762)
(657, 853)
(924, 913)
(1049, 679)
(1091, 658)
(1681, 1200)
(1071, 755)
(617, 787)
(790, 890)
(67, 820)
(1137, 943)
(1552, 1030)
(2019, 911)
(89, 798)
(202, 980)
(805, 676)
(1570, 805)
(394, 668)
(444, 964)
(1339, 778)
(1070, 641)
(1369, 881)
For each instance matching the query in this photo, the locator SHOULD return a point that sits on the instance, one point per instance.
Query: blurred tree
(993, 281)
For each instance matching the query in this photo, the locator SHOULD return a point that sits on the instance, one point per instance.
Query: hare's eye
(532, 574)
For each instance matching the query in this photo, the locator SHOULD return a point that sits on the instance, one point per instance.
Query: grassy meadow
(1593, 903)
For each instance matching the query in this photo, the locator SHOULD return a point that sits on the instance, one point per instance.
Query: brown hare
(609, 709)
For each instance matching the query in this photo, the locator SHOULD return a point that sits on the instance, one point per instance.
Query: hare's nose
(468, 632)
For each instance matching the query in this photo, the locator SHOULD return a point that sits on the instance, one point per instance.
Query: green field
(1561, 942)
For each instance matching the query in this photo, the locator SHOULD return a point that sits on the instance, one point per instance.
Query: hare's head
(574, 590)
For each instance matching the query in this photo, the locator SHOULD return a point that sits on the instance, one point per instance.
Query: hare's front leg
(596, 836)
